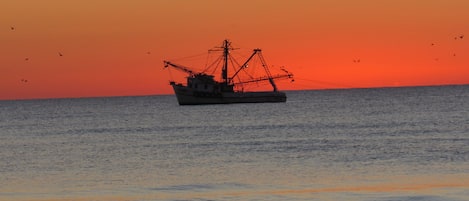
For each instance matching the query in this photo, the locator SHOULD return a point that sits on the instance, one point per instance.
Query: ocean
(385, 144)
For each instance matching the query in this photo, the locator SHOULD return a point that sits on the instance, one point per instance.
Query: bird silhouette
(26, 59)
(12, 28)
(459, 37)
(60, 54)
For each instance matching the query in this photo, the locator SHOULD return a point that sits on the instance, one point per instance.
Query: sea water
(359, 144)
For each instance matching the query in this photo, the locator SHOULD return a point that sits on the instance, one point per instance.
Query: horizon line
(172, 94)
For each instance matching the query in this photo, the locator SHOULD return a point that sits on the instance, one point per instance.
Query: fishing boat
(203, 88)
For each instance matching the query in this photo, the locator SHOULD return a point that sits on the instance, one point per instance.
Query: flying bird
(12, 28)
(26, 59)
(60, 54)
(461, 36)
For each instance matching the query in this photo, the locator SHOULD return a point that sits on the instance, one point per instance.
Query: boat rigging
(201, 85)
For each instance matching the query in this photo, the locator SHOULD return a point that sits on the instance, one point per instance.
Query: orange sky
(105, 43)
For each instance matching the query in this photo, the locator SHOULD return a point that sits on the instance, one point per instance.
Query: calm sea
(361, 144)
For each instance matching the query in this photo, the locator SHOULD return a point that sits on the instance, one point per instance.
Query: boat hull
(188, 96)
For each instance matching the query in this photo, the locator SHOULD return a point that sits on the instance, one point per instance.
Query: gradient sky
(104, 43)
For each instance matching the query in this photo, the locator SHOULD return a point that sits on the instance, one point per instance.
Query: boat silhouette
(202, 88)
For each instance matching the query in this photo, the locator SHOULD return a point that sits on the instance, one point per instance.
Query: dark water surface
(359, 144)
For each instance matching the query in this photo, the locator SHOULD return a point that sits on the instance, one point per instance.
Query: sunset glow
(54, 49)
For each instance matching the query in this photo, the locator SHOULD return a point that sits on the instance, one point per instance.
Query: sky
(89, 48)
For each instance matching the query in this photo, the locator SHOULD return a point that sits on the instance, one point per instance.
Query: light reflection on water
(369, 144)
(456, 189)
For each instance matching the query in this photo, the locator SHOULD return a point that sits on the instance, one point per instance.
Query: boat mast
(224, 73)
